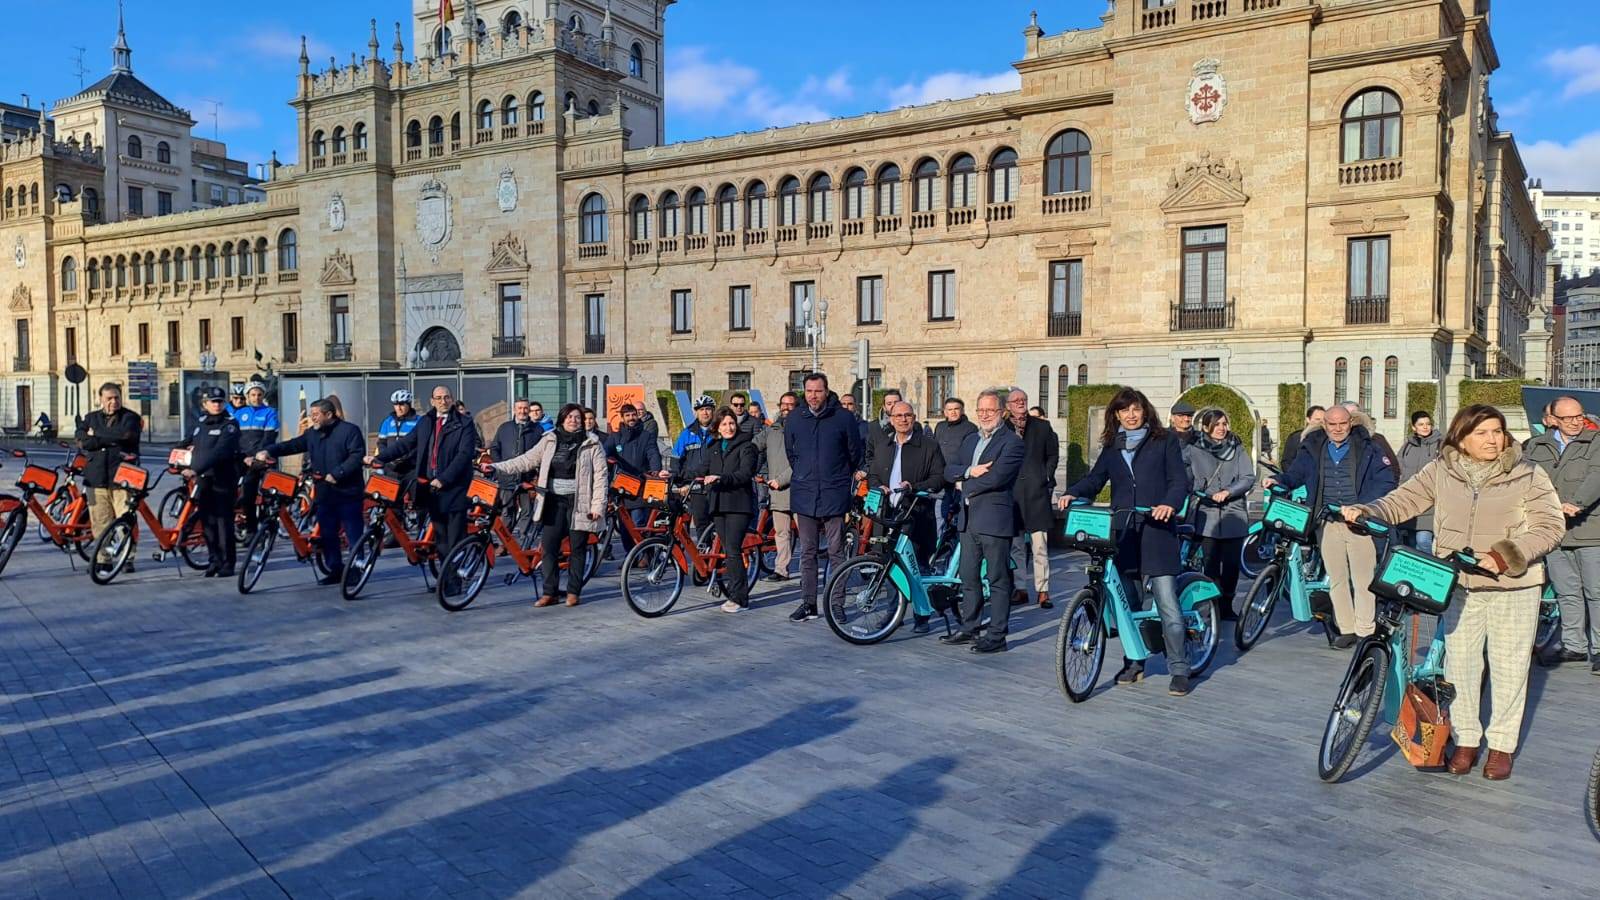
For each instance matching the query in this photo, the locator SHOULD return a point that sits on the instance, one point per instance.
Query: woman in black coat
(1144, 464)
(730, 498)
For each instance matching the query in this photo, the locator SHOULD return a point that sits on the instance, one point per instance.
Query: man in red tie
(442, 447)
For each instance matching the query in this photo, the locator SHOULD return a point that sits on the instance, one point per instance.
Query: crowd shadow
(1065, 864)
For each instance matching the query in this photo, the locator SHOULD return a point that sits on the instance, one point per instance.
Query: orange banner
(618, 394)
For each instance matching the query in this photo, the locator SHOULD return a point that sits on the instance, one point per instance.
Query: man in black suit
(908, 460)
(986, 473)
(443, 447)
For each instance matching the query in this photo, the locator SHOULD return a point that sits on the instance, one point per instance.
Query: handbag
(1423, 728)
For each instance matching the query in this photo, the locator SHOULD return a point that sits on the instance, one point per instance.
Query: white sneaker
(732, 607)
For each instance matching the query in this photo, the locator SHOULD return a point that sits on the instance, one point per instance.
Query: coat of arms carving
(336, 212)
(433, 217)
(1208, 92)
(506, 191)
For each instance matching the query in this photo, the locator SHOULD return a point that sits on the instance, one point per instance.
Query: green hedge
(671, 419)
(1079, 435)
(1424, 395)
(1502, 393)
(1241, 419)
(1292, 402)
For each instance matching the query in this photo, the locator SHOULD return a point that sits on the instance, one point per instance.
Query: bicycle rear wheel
(861, 603)
(11, 534)
(463, 573)
(192, 545)
(1202, 633)
(1354, 712)
(171, 504)
(111, 552)
(363, 559)
(256, 554)
(652, 579)
(1258, 607)
(1080, 646)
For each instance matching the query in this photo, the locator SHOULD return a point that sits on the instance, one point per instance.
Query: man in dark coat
(823, 445)
(633, 451)
(1183, 422)
(105, 437)
(1291, 444)
(214, 459)
(443, 447)
(516, 435)
(950, 433)
(333, 449)
(909, 461)
(1042, 452)
(986, 470)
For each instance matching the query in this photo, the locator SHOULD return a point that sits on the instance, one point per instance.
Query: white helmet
(400, 396)
(704, 401)
(238, 389)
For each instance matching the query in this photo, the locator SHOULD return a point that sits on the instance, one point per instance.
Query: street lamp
(816, 329)
(208, 361)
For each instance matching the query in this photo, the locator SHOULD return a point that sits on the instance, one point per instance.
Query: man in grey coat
(1571, 454)
(769, 441)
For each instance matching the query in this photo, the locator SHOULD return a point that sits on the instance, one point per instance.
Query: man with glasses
(1035, 483)
(1570, 454)
(441, 448)
(985, 471)
(740, 404)
(910, 461)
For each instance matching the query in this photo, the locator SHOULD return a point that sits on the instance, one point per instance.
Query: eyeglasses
(736, 405)
(1577, 418)
(900, 415)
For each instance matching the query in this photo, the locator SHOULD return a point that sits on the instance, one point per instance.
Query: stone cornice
(1447, 49)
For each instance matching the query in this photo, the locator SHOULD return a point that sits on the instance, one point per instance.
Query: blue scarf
(1130, 443)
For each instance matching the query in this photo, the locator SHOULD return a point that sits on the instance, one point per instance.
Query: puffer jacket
(590, 495)
(1514, 514)
(1576, 476)
(1414, 454)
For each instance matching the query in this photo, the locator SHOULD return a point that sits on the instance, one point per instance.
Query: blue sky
(734, 64)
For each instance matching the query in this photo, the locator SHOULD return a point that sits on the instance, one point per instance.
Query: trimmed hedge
(1292, 402)
(1424, 395)
(1501, 393)
(1079, 435)
(1241, 419)
(671, 418)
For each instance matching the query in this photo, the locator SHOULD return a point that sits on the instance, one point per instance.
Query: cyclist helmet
(704, 401)
(256, 386)
(238, 390)
(400, 396)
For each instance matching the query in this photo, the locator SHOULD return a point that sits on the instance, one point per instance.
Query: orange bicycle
(466, 567)
(118, 542)
(63, 516)
(653, 572)
(385, 520)
(286, 509)
(67, 490)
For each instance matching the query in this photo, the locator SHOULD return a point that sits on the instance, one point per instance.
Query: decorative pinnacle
(372, 42)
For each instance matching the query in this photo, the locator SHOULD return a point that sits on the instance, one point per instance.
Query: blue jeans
(335, 511)
(1424, 541)
(1165, 588)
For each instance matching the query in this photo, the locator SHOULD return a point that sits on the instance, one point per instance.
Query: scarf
(1223, 450)
(1130, 443)
(1019, 424)
(1478, 471)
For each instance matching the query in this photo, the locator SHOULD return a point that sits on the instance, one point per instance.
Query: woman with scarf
(571, 467)
(1223, 472)
(730, 498)
(1144, 464)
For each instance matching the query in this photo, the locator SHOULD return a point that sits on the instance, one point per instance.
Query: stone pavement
(166, 737)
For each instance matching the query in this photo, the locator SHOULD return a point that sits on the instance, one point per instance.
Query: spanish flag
(447, 12)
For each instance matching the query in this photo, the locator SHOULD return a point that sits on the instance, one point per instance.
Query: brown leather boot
(1462, 760)
(572, 599)
(544, 601)
(1044, 600)
(1498, 766)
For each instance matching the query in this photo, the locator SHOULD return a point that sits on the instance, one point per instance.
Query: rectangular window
(1369, 269)
(236, 333)
(116, 340)
(797, 380)
(738, 381)
(682, 312)
(23, 350)
(174, 336)
(739, 308)
(135, 201)
(510, 310)
(1205, 267)
(164, 203)
(681, 381)
(941, 296)
(1199, 371)
(339, 319)
(174, 398)
(72, 345)
(941, 387)
(800, 294)
(594, 315)
(1066, 298)
(144, 339)
(205, 334)
(216, 195)
(869, 300)
(291, 334)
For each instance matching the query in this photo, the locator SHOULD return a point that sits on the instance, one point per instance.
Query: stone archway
(438, 348)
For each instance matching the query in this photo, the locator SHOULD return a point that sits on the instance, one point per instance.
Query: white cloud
(1573, 166)
(277, 43)
(766, 109)
(709, 87)
(953, 86)
(1580, 66)
(835, 85)
(700, 85)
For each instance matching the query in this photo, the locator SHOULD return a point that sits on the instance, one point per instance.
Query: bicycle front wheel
(1257, 551)
(11, 535)
(1354, 712)
(192, 545)
(1258, 606)
(652, 578)
(463, 573)
(1592, 796)
(1080, 646)
(862, 604)
(256, 554)
(363, 559)
(111, 552)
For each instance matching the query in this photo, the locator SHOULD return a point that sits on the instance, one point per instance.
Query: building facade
(1253, 193)
(1573, 219)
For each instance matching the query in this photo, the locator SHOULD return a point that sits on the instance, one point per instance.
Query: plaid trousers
(1504, 622)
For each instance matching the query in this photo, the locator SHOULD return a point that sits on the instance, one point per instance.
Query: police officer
(689, 454)
(215, 460)
(258, 430)
(395, 426)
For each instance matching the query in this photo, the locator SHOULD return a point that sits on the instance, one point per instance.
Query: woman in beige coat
(571, 475)
(1486, 498)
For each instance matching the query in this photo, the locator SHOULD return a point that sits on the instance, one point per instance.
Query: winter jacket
(921, 464)
(634, 450)
(988, 501)
(734, 464)
(214, 452)
(1576, 477)
(1515, 514)
(689, 451)
(779, 474)
(590, 495)
(334, 449)
(1208, 474)
(1157, 477)
(951, 435)
(1041, 454)
(258, 428)
(1375, 472)
(111, 438)
(1414, 454)
(458, 447)
(391, 430)
(514, 438)
(825, 451)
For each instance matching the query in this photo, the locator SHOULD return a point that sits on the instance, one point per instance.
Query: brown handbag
(1424, 726)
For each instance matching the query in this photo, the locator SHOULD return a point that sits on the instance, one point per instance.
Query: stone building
(1251, 192)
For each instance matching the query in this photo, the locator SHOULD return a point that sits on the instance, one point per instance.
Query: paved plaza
(166, 737)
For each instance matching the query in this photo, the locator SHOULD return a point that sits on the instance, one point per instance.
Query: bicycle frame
(73, 526)
(503, 541)
(304, 542)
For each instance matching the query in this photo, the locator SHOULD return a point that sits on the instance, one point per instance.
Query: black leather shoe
(960, 637)
(225, 572)
(1132, 672)
(209, 573)
(990, 645)
(1345, 641)
(920, 626)
(1550, 660)
(332, 578)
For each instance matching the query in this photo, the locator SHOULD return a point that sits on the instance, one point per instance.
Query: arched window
(756, 205)
(924, 185)
(592, 220)
(436, 131)
(575, 23)
(821, 198)
(288, 251)
(1364, 396)
(636, 60)
(964, 184)
(485, 115)
(133, 271)
(150, 267)
(92, 269)
(69, 274)
(164, 152)
(135, 147)
(482, 31)
(319, 143)
(1371, 126)
(855, 194)
(696, 209)
(63, 193)
(1066, 163)
(338, 140)
(536, 107)
(889, 203)
(91, 203)
(33, 194)
(1063, 381)
(789, 201)
(227, 259)
(88, 141)
(1341, 380)
(194, 262)
(122, 271)
(455, 129)
(441, 42)
(1083, 374)
(358, 136)
(1391, 387)
(670, 221)
(178, 272)
(511, 23)
(508, 110)
(211, 260)
(10, 198)
(166, 267)
(261, 256)
(639, 218)
(727, 202)
(1003, 176)
(414, 134)
(594, 108)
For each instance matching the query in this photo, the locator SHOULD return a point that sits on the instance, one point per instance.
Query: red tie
(433, 453)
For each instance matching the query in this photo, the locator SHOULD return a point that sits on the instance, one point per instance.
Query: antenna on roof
(216, 107)
(78, 66)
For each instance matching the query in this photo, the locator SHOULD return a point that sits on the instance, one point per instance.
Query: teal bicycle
(1374, 686)
(1102, 609)
(1295, 571)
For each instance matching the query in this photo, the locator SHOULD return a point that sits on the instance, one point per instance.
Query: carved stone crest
(21, 298)
(1205, 182)
(506, 192)
(20, 253)
(433, 217)
(1208, 92)
(1426, 76)
(508, 255)
(337, 269)
(336, 212)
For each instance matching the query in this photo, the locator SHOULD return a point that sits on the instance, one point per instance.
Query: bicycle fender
(1194, 589)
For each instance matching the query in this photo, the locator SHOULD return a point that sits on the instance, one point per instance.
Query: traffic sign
(142, 381)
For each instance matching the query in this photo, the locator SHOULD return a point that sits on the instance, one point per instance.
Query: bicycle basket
(38, 478)
(1417, 580)
(279, 484)
(654, 491)
(1288, 518)
(383, 489)
(180, 458)
(1089, 528)
(131, 477)
(483, 492)
(627, 485)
